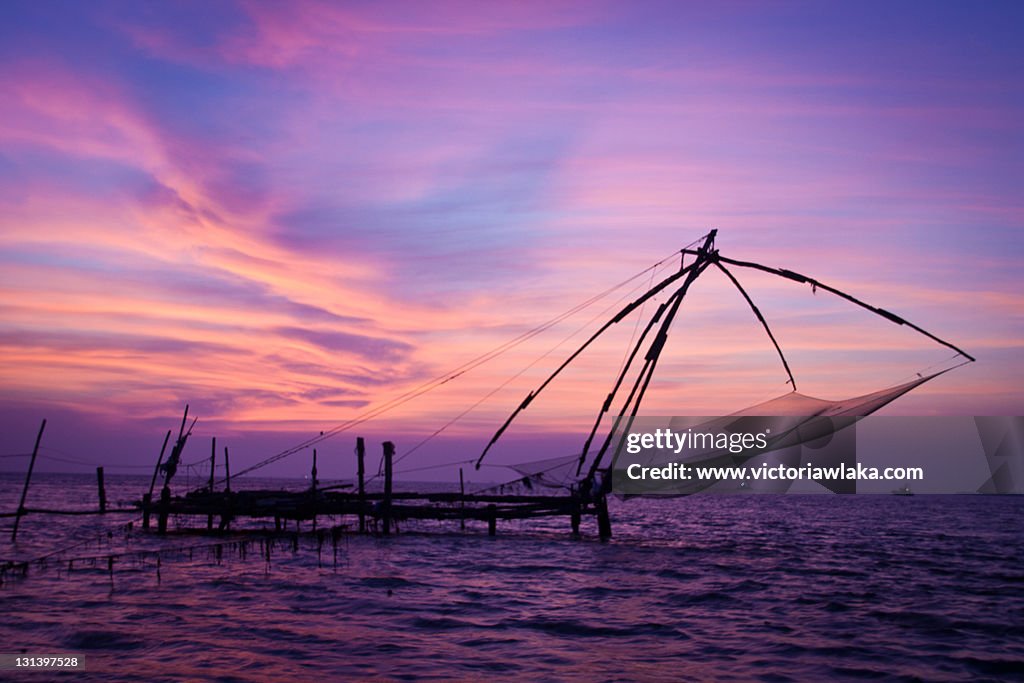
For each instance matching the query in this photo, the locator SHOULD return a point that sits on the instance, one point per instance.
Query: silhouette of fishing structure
(580, 484)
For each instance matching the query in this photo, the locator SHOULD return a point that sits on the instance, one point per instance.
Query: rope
(519, 374)
(440, 380)
(430, 467)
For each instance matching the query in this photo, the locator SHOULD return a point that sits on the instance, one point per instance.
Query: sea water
(733, 588)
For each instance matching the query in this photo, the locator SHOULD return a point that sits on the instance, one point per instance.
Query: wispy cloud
(288, 213)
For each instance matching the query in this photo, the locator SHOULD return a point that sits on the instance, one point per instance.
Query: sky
(289, 214)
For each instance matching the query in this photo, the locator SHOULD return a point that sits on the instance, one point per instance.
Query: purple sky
(286, 214)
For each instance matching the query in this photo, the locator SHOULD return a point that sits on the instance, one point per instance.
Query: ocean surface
(731, 588)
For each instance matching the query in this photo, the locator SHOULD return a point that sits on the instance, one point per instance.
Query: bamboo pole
(28, 478)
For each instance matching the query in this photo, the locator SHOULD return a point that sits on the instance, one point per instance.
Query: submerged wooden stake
(576, 514)
(165, 502)
(604, 522)
(102, 489)
(28, 478)
(147, 503)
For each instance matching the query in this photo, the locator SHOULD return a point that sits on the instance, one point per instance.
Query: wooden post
(604, 522)
(147, 499)
(165, 504)
(227, 472)
(28, 478)
(213, 463)
(462, 502)
(160, 459)
(102, 489)
(227, 514)
(170, 469)
(576, 514)
(313, 474)
(389, 452)
(492, 520)
(361, 456)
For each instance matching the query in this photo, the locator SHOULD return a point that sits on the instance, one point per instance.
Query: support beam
(757, 314)
(892, 317)
(629, 308)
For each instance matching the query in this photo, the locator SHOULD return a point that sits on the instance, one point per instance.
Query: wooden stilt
(576, 515)
(492, 520)
(213, 463)
(604, 522)
(160, 459)
(28, 478)
(313, 475)
(227, 471)
(170, 469)
(226, 515)
(389, 453)
(361, 457)
(313, 471)
(147, 498)
(147, 502)
(165, 505)
(102, 490)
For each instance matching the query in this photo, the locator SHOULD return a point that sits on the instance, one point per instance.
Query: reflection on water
(729, 588)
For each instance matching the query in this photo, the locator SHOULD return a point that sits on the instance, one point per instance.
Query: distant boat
(902, 491)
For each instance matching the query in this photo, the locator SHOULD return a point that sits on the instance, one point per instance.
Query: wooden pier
(378, 512)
